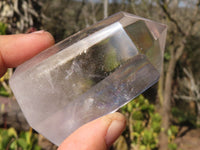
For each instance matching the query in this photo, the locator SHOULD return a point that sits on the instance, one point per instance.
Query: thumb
(96, 135)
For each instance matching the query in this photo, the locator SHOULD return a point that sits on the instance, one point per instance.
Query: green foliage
(145, 123)
(138, 115)
(149, 139)
(156, 122)
(183, 117)
(172, 146)
(110, 62)
(3, 92)
(3, 28)
(138, 127)
(172, 132)
(4, 86)
(9, 139)
(167, 56)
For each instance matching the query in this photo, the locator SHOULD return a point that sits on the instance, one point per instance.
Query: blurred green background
(167, 116)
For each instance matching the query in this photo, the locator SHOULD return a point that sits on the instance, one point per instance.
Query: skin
(99, 134)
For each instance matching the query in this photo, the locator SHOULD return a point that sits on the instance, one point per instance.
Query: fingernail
(114, 131)
(38, 32)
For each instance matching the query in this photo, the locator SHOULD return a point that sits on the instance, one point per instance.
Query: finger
(98, 134)
(15, 49)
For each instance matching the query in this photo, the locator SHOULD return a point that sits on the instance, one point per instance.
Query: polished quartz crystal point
(90, 74)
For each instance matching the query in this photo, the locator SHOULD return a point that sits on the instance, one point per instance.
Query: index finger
(15, 49)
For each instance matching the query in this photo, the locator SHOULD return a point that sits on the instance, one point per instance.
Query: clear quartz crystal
(90, 74)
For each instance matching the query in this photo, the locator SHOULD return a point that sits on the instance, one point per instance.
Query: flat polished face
(89, 74)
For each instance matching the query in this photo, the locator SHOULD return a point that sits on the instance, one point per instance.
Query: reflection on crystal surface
(90, 74)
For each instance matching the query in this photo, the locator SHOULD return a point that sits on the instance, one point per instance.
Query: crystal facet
(89, 74)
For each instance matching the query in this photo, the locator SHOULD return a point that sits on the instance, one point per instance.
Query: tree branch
(186, 98)
(163, 6)
(80, 11)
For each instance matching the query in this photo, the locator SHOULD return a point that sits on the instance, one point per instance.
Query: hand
(96, 135)
(15, 49)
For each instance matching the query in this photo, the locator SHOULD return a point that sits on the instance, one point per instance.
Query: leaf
(138, 127)
(13, 145)
(138, 115)
(172, 146)
(1, 139)
(3, 28)
(3, 92)
(129, 107)
(22, 143)
(156, 126)
(36, 147)
(28, 137)
(148, 137)
(169, 132)
(142, 147)
(22, 135)
(5, 138)
(156, 117)
(12, 132)
(174, 129)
